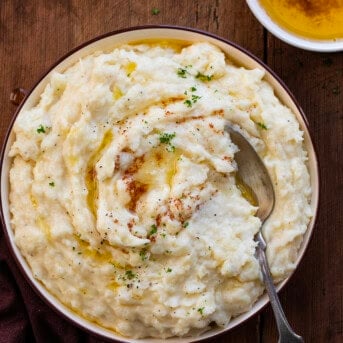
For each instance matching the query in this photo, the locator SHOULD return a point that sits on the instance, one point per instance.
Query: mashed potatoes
(123, 195)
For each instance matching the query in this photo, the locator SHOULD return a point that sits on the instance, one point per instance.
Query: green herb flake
(166, 137)
(204, 78)
(153, 230)
(182, 73)
(52, 184)
(262, 126)
(170, 148)
(130, 275)
(185, 224)
(41, 129)
(169, 270)
(188, 103)
(143, 254)
(195, 98)
(201, 310)
(79, 253)
(155, 11)
(193, 89)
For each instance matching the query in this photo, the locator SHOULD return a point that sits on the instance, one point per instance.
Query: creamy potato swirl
(124, 196)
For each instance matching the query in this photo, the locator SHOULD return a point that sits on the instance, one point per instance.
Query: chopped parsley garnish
(262, 126)
(185, 224)
(193, 89)
(52, 184)
(195, 98)
(182, 73)
(79, 253)
(201, 310)
(166, 137)
(170, 148)
(129, 274)
(169, 270)
(188, 103)
(143, 254)
(155, 11)
(41, 129)
(153, 230)
(204, 78)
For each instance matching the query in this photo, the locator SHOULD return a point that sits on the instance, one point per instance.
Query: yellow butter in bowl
(318, 19)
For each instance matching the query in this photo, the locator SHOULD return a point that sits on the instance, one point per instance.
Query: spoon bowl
(254, 174)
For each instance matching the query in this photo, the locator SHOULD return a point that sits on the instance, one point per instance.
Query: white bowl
(290, 38)
(105, 42)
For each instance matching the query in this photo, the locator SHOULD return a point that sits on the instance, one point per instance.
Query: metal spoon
(254, 174)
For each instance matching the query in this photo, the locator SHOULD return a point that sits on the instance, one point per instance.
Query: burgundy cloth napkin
(24, 317)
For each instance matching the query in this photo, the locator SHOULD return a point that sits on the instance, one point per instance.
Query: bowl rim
(291, 38)
(4, 143)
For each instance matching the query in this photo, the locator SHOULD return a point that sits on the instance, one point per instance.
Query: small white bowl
(290, 38)
(108, 41)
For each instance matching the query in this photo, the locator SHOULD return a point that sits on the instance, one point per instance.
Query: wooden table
(34, 34)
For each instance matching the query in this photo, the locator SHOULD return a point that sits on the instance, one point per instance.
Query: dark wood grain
(34, 34)
(313, 298)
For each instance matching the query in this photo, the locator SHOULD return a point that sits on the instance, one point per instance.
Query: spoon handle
(286, 334)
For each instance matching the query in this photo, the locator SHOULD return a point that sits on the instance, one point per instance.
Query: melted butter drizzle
(174, 44)
(116, 92)
(98, 255)
(130, 67)
(44, 226)
(91, 180)
(154, 169)
(158, 161)
(34, 201)
(246, 191)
